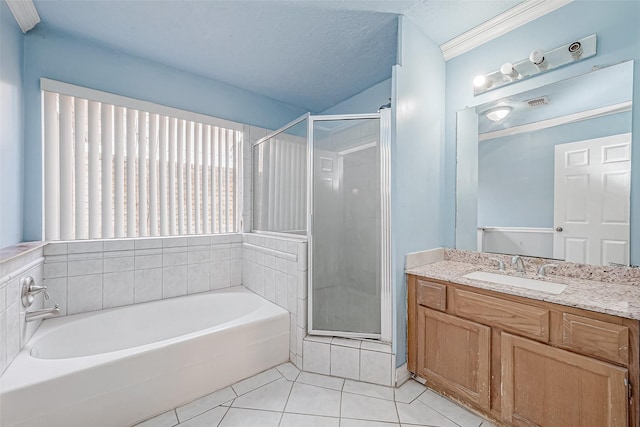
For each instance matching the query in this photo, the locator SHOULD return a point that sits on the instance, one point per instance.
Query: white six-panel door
(591, 200)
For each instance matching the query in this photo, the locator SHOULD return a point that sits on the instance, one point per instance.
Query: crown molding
(509, 20)
(25, 13)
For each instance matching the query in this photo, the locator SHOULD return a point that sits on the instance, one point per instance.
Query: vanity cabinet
(523, 362)
(455, 353)
(547, 386)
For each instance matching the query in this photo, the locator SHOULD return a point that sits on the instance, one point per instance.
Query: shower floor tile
(284, 397)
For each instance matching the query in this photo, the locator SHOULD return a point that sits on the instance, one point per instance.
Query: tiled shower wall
(25, 259)
(276, 268)
(361, 360)
(97, 274)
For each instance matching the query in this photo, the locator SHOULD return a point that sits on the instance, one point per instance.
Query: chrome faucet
(542, 269)
(46, 313)
(519, 263)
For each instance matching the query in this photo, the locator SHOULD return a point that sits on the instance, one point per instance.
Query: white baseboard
(402, 375)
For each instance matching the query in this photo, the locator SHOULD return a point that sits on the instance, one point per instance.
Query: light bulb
(482, 82)
(575, 50)
(509, 71)
(537, 58)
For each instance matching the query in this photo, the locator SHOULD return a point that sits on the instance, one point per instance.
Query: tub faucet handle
(30, 289)
(36, 289)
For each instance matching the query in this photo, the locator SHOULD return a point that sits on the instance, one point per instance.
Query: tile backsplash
(93, 275)
(25, 259)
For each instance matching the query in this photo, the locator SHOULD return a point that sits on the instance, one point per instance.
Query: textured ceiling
(308, 53)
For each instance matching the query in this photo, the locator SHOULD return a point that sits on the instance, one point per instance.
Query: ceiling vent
(537, 102)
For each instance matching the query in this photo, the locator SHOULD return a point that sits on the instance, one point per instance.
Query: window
(119, 167)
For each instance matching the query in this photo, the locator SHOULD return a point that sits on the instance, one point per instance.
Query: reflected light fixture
(497, 114)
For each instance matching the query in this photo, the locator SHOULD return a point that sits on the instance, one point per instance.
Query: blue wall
(367, 101)
(416, 160)
(616, 24)
(11, 128)
(515, 173)
(69, 59)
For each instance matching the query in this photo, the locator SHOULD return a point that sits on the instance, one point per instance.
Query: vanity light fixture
(498, 113)
(538, 61)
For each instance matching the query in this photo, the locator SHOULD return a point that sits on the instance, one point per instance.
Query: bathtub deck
(285, 397)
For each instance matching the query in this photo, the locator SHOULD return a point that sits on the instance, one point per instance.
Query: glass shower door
(345, 232)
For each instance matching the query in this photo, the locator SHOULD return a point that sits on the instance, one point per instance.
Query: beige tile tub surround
(16, 262)
(610, 290)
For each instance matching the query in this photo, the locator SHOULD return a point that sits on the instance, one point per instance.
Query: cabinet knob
(559, 229)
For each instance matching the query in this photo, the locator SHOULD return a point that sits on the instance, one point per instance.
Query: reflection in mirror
(553, 176)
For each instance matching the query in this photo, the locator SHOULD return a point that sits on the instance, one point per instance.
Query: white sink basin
(518, 282)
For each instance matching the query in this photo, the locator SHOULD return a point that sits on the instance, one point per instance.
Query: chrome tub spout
(46, 313)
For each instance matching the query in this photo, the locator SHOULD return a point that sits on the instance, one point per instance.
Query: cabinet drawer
(596, 338)
(432, 295)
(507, 315)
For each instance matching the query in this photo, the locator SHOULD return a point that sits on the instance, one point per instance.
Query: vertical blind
(114, 171)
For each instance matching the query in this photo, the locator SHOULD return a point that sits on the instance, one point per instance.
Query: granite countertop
(611, 298)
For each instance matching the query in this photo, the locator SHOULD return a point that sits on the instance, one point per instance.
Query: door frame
(386, 312)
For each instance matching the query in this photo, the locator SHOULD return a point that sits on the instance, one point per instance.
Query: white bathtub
(119, 366)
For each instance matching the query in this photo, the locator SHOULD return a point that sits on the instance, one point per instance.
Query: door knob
(559, 229)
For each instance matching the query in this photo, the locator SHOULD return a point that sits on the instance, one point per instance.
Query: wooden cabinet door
(454, 354)
(548, 387)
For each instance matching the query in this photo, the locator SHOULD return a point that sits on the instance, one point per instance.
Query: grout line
(225, 414)
(175, 412)
(395, 404)
(287, 402)
(450, 401)
(265, 384)
(341, 398)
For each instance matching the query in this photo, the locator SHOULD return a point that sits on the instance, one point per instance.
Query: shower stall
(327, 177)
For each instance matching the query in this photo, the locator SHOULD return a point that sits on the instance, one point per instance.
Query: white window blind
(119, 167)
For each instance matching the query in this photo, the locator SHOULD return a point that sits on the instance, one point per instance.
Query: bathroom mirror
(547, 172)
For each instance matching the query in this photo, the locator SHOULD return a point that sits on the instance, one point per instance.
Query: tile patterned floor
(285, 397)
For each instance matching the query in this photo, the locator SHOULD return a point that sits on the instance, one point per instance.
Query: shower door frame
(386, 312)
